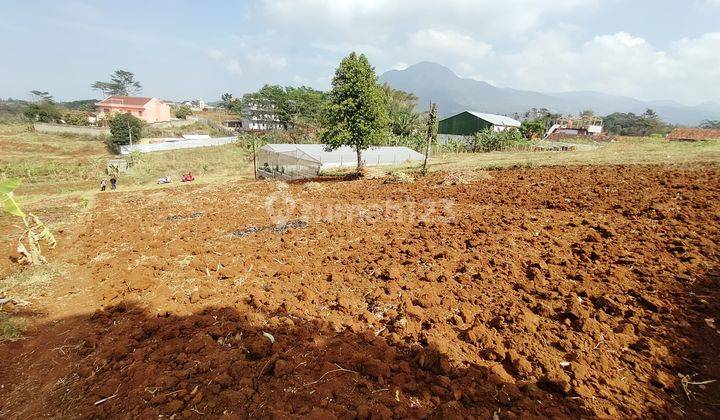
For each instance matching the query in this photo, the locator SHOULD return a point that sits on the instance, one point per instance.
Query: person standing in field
(102, 185)
(113, 183)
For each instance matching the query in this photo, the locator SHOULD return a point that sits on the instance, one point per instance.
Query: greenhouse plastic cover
(345, 156)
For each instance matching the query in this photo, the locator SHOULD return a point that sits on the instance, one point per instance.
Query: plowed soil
(556, 292)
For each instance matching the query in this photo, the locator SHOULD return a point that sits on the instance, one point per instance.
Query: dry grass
(313, 186)
(29, 283)
(399, 177)
(463, 177)
(627, 150)
(66, 165)
(220, 162)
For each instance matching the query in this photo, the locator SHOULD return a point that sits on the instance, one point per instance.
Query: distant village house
(571, 127)
(151, 110)
(261, 115)
(196, 105)
(257, 115)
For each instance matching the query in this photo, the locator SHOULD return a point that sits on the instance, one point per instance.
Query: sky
(650, 50)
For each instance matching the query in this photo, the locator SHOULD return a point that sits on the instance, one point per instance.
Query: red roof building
(694, 134)
(150, 110)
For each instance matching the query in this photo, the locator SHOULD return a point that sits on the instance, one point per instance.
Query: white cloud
(527, 44)
(618, 42)
(375, 20)
(267, 60)
(619, 63)
(232, 65)
(346, 47)
(401, 65)
(448, 42)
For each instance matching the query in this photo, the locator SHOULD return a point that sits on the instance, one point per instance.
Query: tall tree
(43, 108)
(650, 114)
(356, 114)
(39, 96)
(121, 83)
(226, 98)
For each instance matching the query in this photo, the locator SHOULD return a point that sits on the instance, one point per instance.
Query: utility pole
(430, 134)
(130, 133)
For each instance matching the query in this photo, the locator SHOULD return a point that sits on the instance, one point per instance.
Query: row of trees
(536, 121)
(629, 124)
(294, 106)
(381, 115)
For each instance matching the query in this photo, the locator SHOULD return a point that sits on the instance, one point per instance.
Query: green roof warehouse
(467, 123)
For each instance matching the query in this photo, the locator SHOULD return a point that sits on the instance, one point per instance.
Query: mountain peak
(430, 68)
(452, 94)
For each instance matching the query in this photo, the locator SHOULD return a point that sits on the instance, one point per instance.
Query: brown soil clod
(545, 293)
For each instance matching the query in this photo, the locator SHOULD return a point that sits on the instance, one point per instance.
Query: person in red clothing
(188, 177)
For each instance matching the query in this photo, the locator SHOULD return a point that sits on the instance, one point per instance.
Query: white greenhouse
(294, 161)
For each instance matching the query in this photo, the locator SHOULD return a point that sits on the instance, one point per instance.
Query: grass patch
(227, 161)
(194, 128)
(30, 282)
(399, 177)
(463, 177)
(63, 164)
(11, 328)
(627, 150)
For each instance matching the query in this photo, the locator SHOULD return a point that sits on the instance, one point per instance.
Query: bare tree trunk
(430, 134)
(254, 158)
(359, 159)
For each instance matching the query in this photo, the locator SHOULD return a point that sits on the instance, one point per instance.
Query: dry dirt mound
(560, 292)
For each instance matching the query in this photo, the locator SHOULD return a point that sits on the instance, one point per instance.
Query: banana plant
(35, 230)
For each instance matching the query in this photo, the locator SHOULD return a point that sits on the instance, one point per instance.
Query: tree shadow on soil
(125, 362)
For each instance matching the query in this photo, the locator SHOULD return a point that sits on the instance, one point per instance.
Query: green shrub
(183, 111)
(490, 140)
(121, 125)
(76, 118)
(533, 128)
(44, 111)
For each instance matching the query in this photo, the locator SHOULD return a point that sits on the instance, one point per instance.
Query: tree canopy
(712, 124)
(43, 108)
(293, 105)
(542, 114)
(356, 114)
(122, 125)
(121, 83)
(233, 105)
(629, 124)
(183, 111)
(39, 95)
(533, 128)
(404, 119)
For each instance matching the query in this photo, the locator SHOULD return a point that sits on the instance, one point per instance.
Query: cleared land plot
(529, 295)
